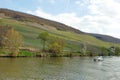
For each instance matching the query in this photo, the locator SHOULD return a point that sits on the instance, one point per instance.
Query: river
(63, 68)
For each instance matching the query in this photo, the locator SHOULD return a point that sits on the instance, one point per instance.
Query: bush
(56, 47)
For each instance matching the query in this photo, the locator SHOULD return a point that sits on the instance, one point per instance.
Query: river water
(64, 68)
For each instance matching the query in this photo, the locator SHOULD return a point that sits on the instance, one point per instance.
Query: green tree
(13, 41)
(56, 47)
(111, 50)
(84, 49)
(44, 37)
(103, 51)
(117, 51)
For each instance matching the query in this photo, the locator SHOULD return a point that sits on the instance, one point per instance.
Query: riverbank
(33, 52)
(24, 53)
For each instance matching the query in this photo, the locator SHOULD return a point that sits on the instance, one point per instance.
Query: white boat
(99, 58)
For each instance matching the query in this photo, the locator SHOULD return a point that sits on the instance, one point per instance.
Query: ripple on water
(59, 69)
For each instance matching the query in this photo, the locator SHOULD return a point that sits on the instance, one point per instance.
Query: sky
(92, 16)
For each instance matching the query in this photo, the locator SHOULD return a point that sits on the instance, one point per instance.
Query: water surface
(77, 68)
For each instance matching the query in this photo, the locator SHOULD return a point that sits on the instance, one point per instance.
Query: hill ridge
(25, 17)
(20, 16)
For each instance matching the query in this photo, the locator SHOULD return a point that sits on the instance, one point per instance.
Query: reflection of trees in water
(39, 68)
(11, 67)
(51, 67)
(54, 60)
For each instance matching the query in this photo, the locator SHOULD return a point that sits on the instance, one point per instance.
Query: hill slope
(106, 38)
(31, 18)
(51, 24)
(30, 26)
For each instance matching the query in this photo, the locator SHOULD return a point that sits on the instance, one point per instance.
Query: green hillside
(30, 26)
(30, 32)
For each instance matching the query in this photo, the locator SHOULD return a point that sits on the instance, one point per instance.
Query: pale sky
(93, 16)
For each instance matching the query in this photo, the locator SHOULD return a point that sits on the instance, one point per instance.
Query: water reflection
(76, 68)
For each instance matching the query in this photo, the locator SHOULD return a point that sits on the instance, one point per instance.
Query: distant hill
(106, 38)
(30, 26)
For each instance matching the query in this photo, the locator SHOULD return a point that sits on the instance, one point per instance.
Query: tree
(84, 49)
(13, 41)
(103, 51)
(117, 51)
(44, 37)
(111, 50)
(56, 47)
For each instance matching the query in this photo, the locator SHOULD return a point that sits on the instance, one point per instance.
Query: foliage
(111, 51)
(44, 37)
(57, 46)
(83, 49)
(13, 41)
(117, 51)
(104, 51)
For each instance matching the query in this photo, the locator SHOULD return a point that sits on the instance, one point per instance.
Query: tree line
(57, 45)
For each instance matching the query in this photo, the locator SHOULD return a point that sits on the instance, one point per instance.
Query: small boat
(99, 58)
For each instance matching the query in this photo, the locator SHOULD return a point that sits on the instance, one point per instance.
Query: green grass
(72, 40)
(85, 38)
(25, 53)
